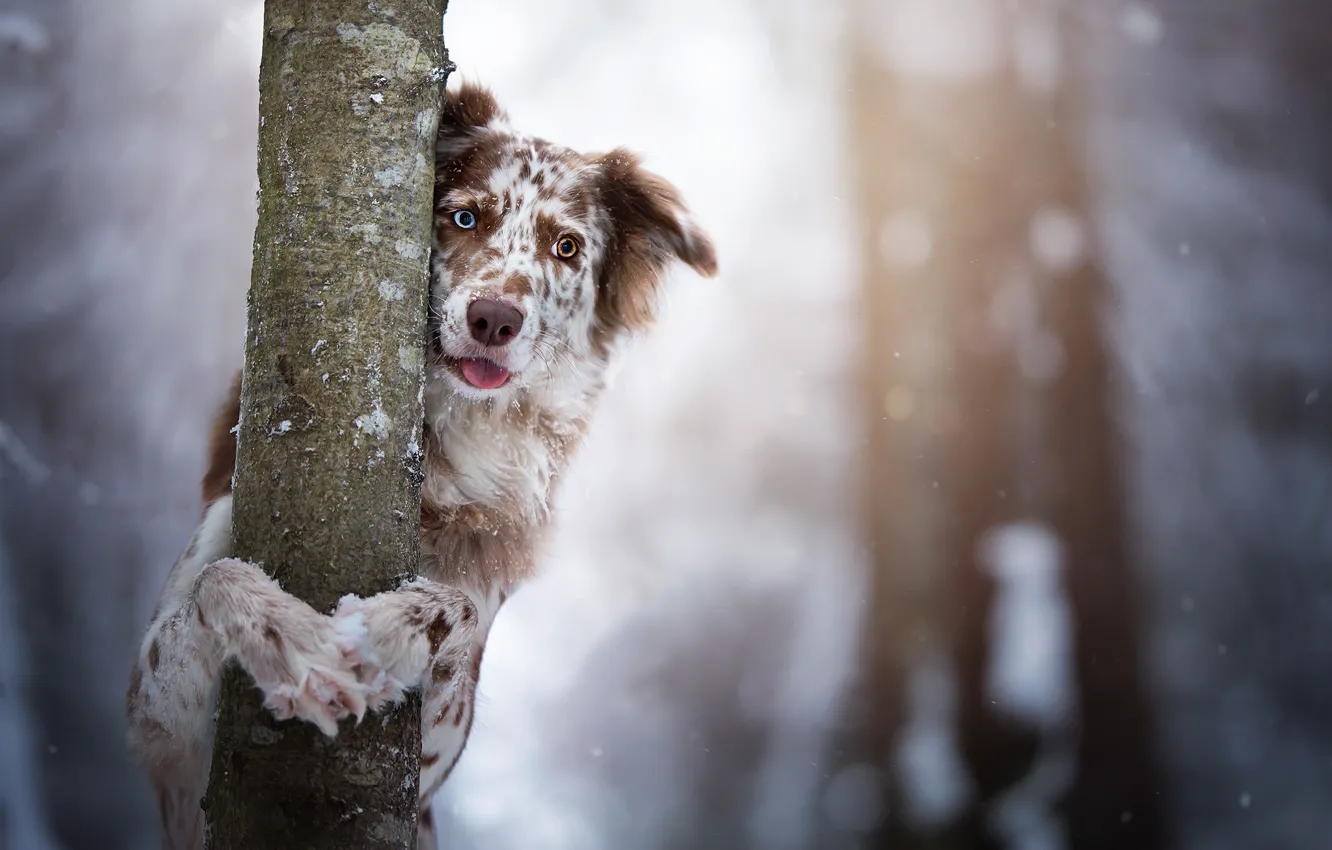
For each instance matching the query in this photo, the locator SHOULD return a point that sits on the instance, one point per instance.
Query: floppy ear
(650, 229)
(465, 110)
(650, 215)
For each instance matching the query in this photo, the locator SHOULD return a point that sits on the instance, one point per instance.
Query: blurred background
(985, 501)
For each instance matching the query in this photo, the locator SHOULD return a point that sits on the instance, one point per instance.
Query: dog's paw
(303, 671)
(358, 652)
(323, 689)
(295, 655)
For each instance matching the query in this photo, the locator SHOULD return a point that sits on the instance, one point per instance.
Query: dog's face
(543, 258)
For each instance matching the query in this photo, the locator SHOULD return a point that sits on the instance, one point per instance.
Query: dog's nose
(493, 322)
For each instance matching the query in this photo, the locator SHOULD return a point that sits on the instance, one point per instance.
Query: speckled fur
(493, 458)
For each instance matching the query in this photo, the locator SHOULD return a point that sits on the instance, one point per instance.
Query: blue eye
(464, 219)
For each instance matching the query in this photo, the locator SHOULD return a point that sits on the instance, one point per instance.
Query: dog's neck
(490, 470)
(500, 458)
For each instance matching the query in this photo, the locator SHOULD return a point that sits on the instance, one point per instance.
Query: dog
(544, 261)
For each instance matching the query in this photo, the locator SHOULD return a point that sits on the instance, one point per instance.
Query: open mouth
(479, 372)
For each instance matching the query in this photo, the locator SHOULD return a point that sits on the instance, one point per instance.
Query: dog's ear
(465, 110)
(650, 217)
(650, 229)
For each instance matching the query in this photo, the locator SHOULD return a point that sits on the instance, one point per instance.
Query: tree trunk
(327, 486)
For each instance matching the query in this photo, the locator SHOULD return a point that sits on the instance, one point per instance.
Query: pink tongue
(483, 374)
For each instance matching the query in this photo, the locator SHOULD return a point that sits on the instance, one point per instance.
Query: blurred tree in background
(1002, 647)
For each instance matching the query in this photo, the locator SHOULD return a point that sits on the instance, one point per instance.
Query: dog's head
(543, 258)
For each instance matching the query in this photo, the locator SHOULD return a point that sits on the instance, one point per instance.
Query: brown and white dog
(544, 260)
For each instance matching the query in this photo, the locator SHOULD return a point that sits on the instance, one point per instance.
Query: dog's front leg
(213, 611)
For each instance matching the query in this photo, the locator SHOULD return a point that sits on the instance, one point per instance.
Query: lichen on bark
(327, 485)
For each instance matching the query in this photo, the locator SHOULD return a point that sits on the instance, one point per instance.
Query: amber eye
(566, 247)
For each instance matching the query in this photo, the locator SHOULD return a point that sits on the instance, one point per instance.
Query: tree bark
(327, 485)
